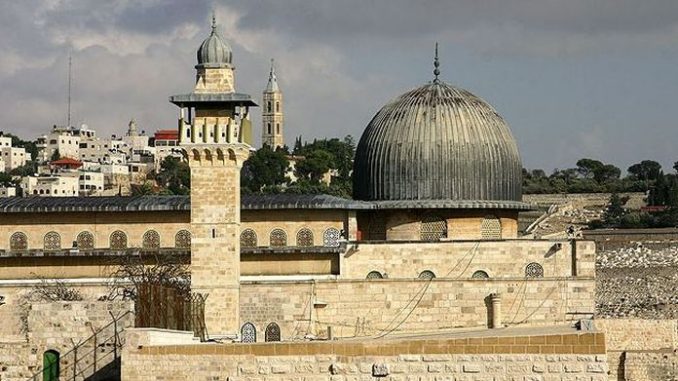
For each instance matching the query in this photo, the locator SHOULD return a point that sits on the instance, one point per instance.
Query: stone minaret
(213, 125)
(132, 128)
(272, 115)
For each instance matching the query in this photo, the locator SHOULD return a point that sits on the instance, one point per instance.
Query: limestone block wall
(367, 308)
(650, 365)
(636, 347)
(167, 224)
(101, 225)
(405, 225)
(460, 259)
(263, 222)
(571, 356)
(57, 326)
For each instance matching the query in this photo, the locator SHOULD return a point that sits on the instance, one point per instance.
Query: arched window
(50, 366)
(268, 106)
(427, 274)
(151, 240)
(85, 240)
(534, 270)
(277, 106)
(304, 237)
(248, 238)
(268, 126)
(480, 274)
(118, 240)
(331, 237)
(277, 128)
(248, 333)
(18, 241)
(272, 332)
(433, 228)
(182, 240)
(374, 275)
(490, 228)
(52, 241)
(278, 238)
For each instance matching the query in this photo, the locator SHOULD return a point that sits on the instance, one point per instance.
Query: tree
(28, 145)
(55, 155)
(605, 173)
(614, 211)
(646, 170)
(588, 167)
(264, 170)
(175, 175)
(315, 165)
(28, 169)
(675, 166)
(6, 179)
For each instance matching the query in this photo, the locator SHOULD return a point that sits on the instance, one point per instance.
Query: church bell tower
(272, 114)
(215, 136)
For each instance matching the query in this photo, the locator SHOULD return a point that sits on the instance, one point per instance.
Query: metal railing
(160, 306)
(96, 357)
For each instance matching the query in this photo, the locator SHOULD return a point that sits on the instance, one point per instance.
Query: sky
(573, 78)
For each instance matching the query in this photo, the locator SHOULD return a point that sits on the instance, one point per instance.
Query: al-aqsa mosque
(429, 243)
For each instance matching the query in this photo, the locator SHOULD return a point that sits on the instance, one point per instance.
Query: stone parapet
(532, 357)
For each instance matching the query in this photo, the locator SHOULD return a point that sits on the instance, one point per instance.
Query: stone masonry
(552, 357)
(215, 226)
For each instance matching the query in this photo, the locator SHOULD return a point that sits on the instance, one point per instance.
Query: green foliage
(174, 176)
(264, 171)
(593, 176)
(646, 170)
(614, 211)
(28, 145)
(28, 169)
(55, 155)
(665, 191)
(6, 179)
(315, 165)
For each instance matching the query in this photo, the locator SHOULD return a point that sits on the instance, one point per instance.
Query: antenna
(70, 64)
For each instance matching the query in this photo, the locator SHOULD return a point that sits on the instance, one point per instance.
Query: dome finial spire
(214, 22)
(436, 64)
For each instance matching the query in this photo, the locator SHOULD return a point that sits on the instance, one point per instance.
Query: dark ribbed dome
(214, 51)
(437, 142)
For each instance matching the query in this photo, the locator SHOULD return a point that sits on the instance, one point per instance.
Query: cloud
(340, 61)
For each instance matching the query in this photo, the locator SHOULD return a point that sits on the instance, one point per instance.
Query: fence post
(95, 353)
(75, 362)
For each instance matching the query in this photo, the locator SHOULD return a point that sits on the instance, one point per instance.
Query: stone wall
(614, 239)
(460, 259)
(101, 225)
(552, 357)
(166, 223)
(58, 326)
(651, 365)
(636, 199)
(361, 308)
(631, 343)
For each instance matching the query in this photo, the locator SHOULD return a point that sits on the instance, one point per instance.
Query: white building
(64, 140)
(12, 157)
(50, 186)
(166, 143)
(91, 183)
(7, 192)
